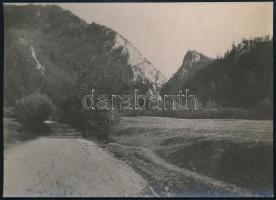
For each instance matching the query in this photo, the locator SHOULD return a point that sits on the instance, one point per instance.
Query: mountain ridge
(72, 52)
(193, 61)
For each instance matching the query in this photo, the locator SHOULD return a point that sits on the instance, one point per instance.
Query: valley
(206, 131)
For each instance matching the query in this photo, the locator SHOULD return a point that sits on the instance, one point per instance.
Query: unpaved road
(67, 167)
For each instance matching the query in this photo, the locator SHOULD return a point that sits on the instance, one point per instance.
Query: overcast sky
(164, 32)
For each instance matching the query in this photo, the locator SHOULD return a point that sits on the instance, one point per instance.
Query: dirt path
(67, 167)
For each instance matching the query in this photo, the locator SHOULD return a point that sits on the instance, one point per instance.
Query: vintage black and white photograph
(138, 99)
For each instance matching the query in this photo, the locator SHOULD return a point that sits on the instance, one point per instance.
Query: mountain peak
(142, 68)
(191, 51)
(192, 56)
(193, 61)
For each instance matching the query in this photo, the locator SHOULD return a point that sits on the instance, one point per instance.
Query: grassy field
(198, 157)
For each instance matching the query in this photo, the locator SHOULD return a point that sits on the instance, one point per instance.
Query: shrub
(13, 131)
(33, 109)
(69, 111)
(100, 123)
(9, 112)
(263, 109)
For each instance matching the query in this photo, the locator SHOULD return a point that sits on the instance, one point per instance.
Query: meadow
(235, 152)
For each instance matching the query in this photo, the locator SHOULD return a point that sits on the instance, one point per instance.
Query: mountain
(142, 68)
(193, 61)
(50, 50)
(242, 78)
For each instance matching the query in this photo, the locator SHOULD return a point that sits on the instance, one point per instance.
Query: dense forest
(241, 78)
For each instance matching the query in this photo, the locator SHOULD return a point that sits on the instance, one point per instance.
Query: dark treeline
(240, 79)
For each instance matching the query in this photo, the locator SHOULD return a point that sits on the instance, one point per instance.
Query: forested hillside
(51, 51)
(241, 78)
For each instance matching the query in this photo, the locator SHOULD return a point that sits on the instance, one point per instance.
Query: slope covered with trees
(241, 78)
(49, 50)
(193, 61)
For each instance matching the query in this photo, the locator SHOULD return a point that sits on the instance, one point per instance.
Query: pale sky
(164, 32)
